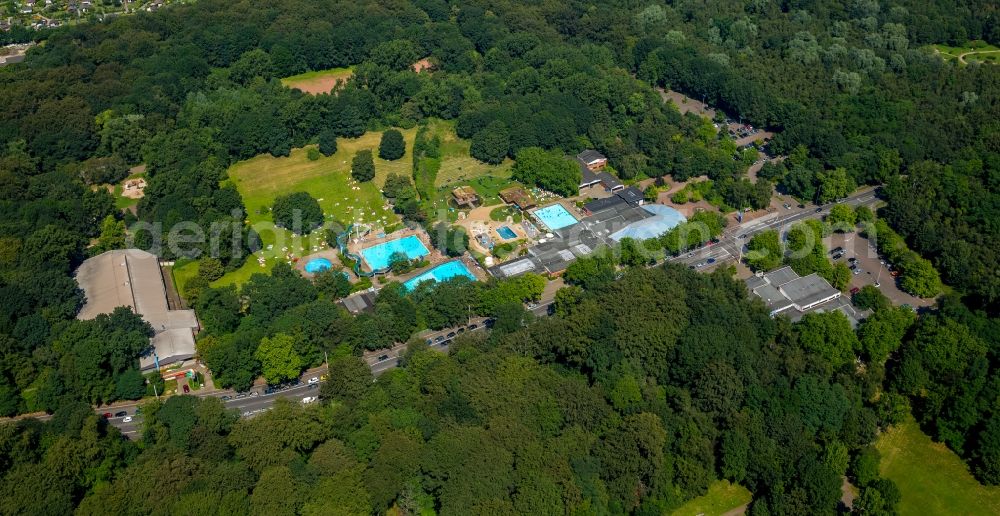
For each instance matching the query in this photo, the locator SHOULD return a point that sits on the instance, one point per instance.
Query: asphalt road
(730, 243)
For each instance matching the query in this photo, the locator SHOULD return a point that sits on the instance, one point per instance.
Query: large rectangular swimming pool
(555, 217)
(377, 256)
(442, 272)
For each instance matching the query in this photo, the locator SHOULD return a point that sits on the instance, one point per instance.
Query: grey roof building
(132, 278)
(784, 291)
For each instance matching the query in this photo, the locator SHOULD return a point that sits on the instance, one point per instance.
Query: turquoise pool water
(555, 216)
(506, 233)
(442, 272)
(377, 256)
(317, 265)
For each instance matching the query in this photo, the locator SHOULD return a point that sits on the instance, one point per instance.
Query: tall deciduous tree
(278, 358)
(363, 166)
(392, 146)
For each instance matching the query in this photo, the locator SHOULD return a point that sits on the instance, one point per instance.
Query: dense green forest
(600, 409)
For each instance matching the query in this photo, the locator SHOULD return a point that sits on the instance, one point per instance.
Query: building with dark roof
(631, 196)
(592, 159)
(587, 177)
(518, 197)
(610, 182)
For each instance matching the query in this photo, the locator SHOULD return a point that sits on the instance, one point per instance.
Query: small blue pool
(377, 256)
(506, 233)
(442, 272)
(318, 265)
(555, 217)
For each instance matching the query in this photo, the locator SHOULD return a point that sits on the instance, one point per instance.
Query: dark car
(186, 389)
(461, 330)
(473, 327)
(489, 323)
(837, 250)
(439, 338)
(819, 210)
(121, 414)
(710, 261)
(226, 398)
(383, 358)
(451, 335)
(107, 415)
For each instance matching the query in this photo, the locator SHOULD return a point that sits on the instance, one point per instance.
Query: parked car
(186, 389)
(383, 358)
(855, 290)
(313, 380)
(226, 398)
(324, 377)
(121, 413)
(439, 338)
(107, 415)
(837, 250)
(857, 270)
(461, 330)
(473, 327)
(309, 399)
(451, 335)
(838, 256)
(710, 261)
(127, 419)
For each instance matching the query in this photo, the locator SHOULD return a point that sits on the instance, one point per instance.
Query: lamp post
(879, 275)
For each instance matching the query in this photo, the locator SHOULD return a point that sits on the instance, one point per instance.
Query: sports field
(931, 478)
(322, 81)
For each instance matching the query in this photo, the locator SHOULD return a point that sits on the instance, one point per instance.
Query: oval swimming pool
(318, 265)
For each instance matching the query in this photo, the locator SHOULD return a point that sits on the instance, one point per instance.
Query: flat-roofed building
(132, 278)
(784, 291)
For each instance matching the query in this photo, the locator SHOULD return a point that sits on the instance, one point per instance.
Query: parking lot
(871, 268)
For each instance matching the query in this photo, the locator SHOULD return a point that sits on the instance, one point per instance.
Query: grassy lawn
(457, 165)
(722, 497)
(263, 178)
(931, 478)
(951, 53)
(321, 81)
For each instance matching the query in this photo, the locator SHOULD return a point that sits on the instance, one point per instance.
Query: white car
(127, 419)
(309, 399)
(313, 380)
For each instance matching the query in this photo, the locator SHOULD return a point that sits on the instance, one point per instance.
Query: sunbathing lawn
(318, 82)
(456, 163)
(722, 497)
(931, 478)
(261, 179)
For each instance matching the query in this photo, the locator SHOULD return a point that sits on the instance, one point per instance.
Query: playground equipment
(342, 245)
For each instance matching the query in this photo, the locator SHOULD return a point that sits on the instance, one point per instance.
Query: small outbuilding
(465, 196)
(518, 197)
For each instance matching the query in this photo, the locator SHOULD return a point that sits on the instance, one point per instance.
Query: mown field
(931, 478)
(321, 81)
(263, 178)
